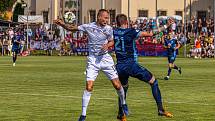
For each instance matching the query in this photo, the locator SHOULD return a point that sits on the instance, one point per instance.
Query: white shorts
(96, 63)
(198, 50)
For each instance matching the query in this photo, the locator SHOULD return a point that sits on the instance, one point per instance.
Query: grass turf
(44, 88)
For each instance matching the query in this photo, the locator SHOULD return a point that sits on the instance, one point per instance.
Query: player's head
(121, 19)
(169, 37)
(103, 17)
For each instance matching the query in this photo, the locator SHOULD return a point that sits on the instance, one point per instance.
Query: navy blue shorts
(16, 49)
(134, 70)
(171, 59)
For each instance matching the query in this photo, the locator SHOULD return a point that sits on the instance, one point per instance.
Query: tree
(6, 5)
(18, 11)
(71, 4)
(5, 8)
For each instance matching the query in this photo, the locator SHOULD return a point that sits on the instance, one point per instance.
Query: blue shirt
(15, 39)
(173, 43)
(125, 45)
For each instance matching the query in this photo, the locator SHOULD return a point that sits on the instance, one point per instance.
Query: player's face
(169, 37)
(103, 19)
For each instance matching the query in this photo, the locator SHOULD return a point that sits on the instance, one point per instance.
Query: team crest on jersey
(137, 30)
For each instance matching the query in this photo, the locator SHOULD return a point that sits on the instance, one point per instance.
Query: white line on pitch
(79, 97)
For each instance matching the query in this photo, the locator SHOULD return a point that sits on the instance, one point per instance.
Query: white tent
(162, 17)
(31, 19)
(177, 17)
(141, 19)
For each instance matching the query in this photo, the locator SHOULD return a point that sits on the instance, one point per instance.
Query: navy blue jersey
(125, 45)
(173, 43)
(16, 39)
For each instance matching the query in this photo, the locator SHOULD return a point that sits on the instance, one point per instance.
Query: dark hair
(102, 11)
(121, 19)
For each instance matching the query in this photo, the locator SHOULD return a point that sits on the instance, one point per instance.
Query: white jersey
(98, 59)
(97, 36)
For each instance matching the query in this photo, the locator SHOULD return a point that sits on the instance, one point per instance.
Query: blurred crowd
(43, 38)
(199, 35)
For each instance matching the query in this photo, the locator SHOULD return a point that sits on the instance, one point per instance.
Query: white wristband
(165, 26)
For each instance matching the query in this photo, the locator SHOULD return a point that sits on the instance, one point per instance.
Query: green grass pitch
(50, 89)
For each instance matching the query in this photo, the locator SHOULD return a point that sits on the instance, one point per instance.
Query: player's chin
(104, 24)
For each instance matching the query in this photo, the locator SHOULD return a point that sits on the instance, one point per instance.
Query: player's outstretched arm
(69, 27)
(146, 34)
(169, 23)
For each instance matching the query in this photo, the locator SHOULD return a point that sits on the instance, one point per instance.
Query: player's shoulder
(108, 27)
(175, 40)
(137, 30)
(120, 31)
(92, 24)
(134, 32)
(131, 30)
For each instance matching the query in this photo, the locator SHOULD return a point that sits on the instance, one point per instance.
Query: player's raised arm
(178, 45)
(146, 34)
(69, 27)
(169, 23)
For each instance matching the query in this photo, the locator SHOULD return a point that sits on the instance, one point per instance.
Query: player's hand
(58, 22)
(151, 34)
(170, 22)
(105, 47)
(169, 45)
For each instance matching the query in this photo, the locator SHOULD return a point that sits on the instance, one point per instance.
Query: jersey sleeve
(83, 27)
(165, 42)
(136, 33)
(110, 34)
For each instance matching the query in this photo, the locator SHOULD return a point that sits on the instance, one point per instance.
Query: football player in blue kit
(127, 65)
(171, 44)
(16, 40)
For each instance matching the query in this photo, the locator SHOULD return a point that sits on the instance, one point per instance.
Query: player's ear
(98, 17)
(126, 23)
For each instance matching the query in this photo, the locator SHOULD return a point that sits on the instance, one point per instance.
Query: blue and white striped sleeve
(110, 33)
(83, 27)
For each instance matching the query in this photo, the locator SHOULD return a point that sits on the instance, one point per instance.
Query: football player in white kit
(100, 38)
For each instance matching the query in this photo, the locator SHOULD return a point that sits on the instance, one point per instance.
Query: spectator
(198, 47)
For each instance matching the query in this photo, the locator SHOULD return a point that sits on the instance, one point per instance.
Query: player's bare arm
(146, 34)
(69, 27)
(178, 46)
(169, 23)
(108, 45)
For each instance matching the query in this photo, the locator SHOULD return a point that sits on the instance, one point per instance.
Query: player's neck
(100, 25)
(124, 26)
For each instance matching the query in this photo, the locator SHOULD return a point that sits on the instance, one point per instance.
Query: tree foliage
(6, 5)
(71, 4)
(6, 10)
(18, 11)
